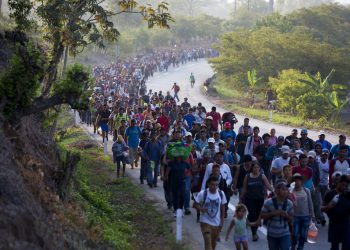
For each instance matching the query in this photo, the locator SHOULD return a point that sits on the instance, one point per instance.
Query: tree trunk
(65, 59)
(0, 7)
(248, 3)
(235, 8)
(51, 72)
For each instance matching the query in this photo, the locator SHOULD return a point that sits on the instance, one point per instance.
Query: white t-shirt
(341, 166)
(225, 172)
(213, 203)
(279, 163)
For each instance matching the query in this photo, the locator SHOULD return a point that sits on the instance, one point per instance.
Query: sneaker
(150, 185)
(187, 211)
(255, 237)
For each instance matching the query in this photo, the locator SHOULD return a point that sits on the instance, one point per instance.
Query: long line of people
(282, 182)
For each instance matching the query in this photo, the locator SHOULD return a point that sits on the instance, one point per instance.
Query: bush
(313, 106)
(288, 89)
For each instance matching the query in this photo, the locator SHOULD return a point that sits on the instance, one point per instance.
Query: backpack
(177, 88)
(284, 208)
(205, 195)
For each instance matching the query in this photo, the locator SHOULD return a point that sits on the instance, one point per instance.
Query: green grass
(114, 209)
(237, 101)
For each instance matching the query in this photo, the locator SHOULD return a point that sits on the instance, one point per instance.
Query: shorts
(239, 239)
(104, 126)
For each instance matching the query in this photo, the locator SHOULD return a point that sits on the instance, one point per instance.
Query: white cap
(211, 139)
(321, 133)
(299, 152)
(285, 149)
(188, 134)
(312, 154)
(336, 173)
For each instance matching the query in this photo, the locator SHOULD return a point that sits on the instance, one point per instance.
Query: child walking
(240, 223)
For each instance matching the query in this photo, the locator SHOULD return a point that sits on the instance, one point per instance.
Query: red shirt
(216, 118)
(164, 121)
(306, 172)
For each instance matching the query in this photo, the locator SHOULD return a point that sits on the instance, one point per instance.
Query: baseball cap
(297, 176)
(280, 138)
(227, 125)
(304, 131)
(209, 118)
(336, 173)
(312, 154)
(325, 151)
(211, 139)
(285, 149)
(321, 133)
(188, 134)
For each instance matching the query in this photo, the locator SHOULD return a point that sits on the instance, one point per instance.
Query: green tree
(253, 81)
(72, 24)
(337, 105)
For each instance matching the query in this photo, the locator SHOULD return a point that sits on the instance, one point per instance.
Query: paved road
(191, 230)
(202, 71)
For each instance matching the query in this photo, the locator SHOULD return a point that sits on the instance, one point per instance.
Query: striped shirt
(277, 227)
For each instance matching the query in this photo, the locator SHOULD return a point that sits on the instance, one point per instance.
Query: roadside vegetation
(291, 59)
(114, 210)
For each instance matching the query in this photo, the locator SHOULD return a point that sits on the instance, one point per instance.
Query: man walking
(211, 203)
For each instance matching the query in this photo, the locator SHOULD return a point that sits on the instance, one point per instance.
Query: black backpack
(205, 195)
(284, 208)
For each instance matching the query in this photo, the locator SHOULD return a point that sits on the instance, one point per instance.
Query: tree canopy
(32, 81)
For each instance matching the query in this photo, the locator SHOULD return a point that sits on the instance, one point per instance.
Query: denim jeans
(152, 174)
(176, 96)
(301, 226)
(316, 201)
(187, 192)
(281, 243)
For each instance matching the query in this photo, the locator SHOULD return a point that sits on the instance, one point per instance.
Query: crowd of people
(284, 183)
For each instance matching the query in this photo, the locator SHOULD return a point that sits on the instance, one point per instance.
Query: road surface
(202, 71)
(191, 230)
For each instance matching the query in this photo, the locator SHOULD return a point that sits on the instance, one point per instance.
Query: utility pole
(271, 5)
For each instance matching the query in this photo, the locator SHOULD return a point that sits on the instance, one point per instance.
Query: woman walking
(254, 190)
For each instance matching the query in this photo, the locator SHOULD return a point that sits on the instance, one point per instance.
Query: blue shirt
(230, 133)
(325, 144)
(153, 150)
(189, 119)
(133, 134)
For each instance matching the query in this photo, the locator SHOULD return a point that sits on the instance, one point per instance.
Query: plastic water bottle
(312, 233)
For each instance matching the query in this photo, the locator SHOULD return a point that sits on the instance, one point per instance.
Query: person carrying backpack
(279, 212)
(211, 203)
(303, 212)
(119, 150)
